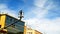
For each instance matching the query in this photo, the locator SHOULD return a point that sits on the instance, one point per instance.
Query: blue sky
(44, 15)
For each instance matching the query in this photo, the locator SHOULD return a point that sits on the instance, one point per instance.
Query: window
(29, 32)
(11, 19)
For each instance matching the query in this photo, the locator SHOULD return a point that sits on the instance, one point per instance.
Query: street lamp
(20, 15)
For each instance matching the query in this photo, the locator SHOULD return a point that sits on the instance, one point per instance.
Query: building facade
(16, 28)
(31, 31)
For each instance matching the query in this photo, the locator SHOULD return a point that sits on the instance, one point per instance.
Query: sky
(41, 15)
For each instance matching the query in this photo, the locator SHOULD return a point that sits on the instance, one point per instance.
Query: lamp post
(20, 15)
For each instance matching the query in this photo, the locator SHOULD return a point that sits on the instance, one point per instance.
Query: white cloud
(44, 25)
(40, 23)
(40, 12)
(3, 6)
(40, 3)
(4, 9)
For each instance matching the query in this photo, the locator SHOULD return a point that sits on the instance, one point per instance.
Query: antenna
(20, 14)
